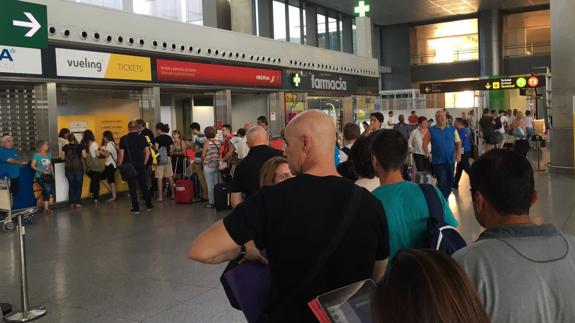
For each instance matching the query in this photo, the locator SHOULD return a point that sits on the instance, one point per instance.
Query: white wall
(204, 115)
(166, 116)
(247, 108)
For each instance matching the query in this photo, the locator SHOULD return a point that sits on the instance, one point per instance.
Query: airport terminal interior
(141, 177)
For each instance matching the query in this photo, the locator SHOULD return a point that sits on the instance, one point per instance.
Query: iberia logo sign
(77, 63)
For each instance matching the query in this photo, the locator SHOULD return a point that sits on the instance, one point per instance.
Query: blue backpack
(441, 236)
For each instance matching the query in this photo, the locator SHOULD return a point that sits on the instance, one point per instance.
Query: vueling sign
(6, 55)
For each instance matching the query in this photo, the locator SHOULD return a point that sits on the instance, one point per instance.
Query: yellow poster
(77, 124)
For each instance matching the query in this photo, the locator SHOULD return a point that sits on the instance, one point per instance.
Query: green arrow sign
(23, 24)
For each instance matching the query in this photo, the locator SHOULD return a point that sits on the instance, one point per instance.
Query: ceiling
(389, 12)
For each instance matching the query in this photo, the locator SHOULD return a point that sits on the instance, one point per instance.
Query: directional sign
(505, 83)
(23, 24)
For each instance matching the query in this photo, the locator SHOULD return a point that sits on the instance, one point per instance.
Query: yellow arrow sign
(488, 86)
(428, 89)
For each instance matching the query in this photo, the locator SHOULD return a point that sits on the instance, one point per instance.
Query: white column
(242, 15)
(364, 41)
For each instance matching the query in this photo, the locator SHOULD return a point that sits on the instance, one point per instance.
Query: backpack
(498, 123)
(72, 161)
(441, 236)
(163, 158)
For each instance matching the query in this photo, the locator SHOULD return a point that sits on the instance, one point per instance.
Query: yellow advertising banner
(126, 67)
(117, 124)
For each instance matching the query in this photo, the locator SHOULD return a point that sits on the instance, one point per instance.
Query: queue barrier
(28, 313)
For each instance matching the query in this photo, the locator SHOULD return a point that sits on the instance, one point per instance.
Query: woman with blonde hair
(275, 171)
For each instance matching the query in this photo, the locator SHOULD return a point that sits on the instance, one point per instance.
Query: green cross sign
(296, 80)
(23, 24)
(362, 9)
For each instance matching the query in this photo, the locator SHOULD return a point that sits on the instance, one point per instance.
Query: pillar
(216, 14)
(563, 87)
(364, 40)
(223, 108)
(276, 115)
(265, 18)
(490, 45)
(311, 26)
(347, 35)
(396, 54)
(242, 16)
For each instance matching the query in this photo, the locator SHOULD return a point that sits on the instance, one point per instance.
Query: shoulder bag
(93, 164)
(127, 170)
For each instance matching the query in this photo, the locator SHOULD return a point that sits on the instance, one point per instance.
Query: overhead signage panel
(505, 83)
(327, 82)
(214, 74)
(20, 60)
(23, 24)
(99, 65)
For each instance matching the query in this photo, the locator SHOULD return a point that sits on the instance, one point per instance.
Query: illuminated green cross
(296, 80)
(362, 9)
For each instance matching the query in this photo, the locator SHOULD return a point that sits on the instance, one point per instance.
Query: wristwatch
(242, 253)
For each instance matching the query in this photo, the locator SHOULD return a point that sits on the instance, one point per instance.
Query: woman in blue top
(42, 164)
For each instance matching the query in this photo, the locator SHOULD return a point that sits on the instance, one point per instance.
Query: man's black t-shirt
(247, 174)
(486, 124)
(294, 221)
(164, 141)
(134, 145)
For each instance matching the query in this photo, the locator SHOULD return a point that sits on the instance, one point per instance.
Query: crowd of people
(289, 204)
(289, 223)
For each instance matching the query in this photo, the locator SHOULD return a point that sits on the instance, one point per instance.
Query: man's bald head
(7, 142)
(256, 136)
(310, 141)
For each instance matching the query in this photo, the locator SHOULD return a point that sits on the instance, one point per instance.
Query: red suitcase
(184, 191)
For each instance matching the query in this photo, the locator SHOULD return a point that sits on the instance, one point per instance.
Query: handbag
(93, 164)
(127, 170)
(247, 285)
(48, 178)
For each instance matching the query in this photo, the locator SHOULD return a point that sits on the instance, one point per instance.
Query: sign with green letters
(23, 24)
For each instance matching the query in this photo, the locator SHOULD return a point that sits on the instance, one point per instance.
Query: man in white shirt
(391, 121)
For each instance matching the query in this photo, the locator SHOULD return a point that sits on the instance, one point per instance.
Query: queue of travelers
(290, 223)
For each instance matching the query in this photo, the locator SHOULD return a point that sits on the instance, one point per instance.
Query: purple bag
(250, 284)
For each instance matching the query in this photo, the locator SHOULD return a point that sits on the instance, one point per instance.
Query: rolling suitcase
(184, 190)
(222, 196)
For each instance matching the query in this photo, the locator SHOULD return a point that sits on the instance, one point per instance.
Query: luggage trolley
(7, 223)
(27, 313)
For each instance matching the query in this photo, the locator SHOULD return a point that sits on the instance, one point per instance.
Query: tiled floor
(103, 265)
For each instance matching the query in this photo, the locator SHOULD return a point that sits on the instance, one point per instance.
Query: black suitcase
(197, 187)
(222, 196)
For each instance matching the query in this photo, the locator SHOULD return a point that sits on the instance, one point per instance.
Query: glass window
(354, 35)
(304, 27)
(527, 33)
(279, 9)
(294, 25)
(447, 42)
(321, 31)
(188, 11)
(115, 4)
(333, 33)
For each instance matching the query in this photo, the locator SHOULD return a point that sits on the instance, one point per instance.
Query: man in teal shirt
(404, 202)
(10, 163)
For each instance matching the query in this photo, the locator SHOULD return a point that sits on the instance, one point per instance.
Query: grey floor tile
(212, 307)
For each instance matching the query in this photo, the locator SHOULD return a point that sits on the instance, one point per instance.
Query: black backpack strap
(347, 151)
(349, 214)
(433, 203)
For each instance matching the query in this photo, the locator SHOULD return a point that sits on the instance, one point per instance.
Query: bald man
(10, 163)
(316, 238)
(247, 174)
